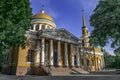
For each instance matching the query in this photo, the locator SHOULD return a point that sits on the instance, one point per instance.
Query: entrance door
(75, 61)
(55, 59)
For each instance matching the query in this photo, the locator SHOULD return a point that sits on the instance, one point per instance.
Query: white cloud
(109, 49)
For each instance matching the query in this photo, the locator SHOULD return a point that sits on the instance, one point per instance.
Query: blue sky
(68, 13)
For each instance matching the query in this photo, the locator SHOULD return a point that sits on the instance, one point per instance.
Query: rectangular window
(82, 62)
(93, 62)
(88, 62)
(30, 57)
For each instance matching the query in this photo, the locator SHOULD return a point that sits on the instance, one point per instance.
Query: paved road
(73, 77)
(105, 75)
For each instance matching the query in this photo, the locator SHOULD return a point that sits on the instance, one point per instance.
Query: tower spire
(84, 27)
(83, 19)
(85, 34)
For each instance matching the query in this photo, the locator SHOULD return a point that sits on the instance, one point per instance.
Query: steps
(66, 71)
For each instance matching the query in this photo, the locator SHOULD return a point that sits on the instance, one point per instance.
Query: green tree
(109, 60)
(106, 23)
(15, 20)
(1, 60)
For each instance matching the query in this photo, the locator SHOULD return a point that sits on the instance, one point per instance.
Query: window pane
(30, 57)
(37, 28)
(43, 26)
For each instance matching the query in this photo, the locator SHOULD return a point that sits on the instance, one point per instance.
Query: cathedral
(52, 50)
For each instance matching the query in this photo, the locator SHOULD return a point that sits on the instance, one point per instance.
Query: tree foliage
(106, 23)
(110, 61)
(15, 20)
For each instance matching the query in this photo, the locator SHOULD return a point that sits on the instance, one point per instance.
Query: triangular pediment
(60, 33)
(57, 34)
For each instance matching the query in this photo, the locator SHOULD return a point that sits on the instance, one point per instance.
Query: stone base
(67, 71)
(24, 70)
(40, 70)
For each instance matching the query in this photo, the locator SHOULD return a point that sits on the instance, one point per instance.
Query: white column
(66, 55)
(51, 52)
(43, 52)
(34, 27)
(59, 53)
(46, 56)
(40, 26)
(38, 53)
(46, 26)
(77, 57)
(71, 55)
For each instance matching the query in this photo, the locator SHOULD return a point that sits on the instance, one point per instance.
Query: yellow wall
(22, 55)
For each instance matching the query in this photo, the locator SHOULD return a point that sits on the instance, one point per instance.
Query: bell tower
(85, 33)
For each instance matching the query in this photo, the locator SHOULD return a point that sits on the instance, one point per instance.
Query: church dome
(43, 19)
(43, 16)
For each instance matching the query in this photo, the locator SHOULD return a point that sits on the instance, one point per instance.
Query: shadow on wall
(11, 65)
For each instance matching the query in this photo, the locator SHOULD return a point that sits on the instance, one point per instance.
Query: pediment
(60, 33)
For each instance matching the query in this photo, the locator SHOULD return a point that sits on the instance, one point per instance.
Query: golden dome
(42, 15)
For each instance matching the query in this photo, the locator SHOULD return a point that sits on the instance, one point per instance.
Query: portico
(57, 53)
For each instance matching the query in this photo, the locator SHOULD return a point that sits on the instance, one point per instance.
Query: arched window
(37, 27)
(43, 27)
(48, 27)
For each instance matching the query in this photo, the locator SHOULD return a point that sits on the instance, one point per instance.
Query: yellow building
(51, 50)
